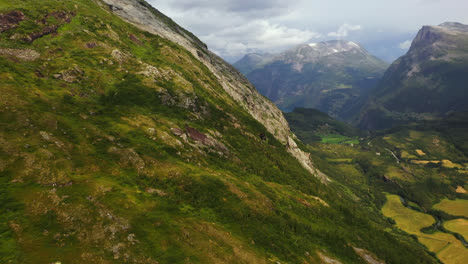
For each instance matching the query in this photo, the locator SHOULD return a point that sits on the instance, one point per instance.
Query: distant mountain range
(429, 82)
(331, 76)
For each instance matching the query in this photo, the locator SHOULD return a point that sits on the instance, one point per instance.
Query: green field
(406, 219)
(337, 139)
(447, 248)
(456, 207)
(459, 226)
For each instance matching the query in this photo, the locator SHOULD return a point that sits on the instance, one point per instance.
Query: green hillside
(120, 146)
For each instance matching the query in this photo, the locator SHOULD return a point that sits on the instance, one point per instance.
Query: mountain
(123, 139)
(330, 76)
(252, 61)
(428, 82)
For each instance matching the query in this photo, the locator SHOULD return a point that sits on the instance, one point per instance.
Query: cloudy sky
(233, 28)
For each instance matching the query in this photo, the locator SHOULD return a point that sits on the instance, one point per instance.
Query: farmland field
(456, 207)
(447, 248)
(337, 139)
(459, 226)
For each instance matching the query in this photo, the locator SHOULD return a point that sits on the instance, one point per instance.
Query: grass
(459, 226)
(340, 160)
(395, 173)
(337, 139)
(408, 220)
(457, 207)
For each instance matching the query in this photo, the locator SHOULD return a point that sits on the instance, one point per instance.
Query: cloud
(405, 45)
(343, 30)
(256, 36)
(230, 27)
(246, 7)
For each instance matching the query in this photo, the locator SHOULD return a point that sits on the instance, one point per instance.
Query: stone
(21, 54)
(195, 134)
(177, 131)
(91, 45)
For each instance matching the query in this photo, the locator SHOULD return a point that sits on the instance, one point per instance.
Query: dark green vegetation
(311, 125)
(334, 77)
(119, 146)
(429, 82)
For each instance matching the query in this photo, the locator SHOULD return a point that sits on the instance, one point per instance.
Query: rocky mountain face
(123, 139)
(147, 18)
(428, 82)
(331, 76)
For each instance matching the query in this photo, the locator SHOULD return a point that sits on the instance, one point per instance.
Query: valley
(415, 176)
(447, 247)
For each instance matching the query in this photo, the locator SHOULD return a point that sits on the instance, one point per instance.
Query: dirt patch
(420, 152)
(460, 189)
(21, 54)
(195, 134)
(91, 45)
(424, 162)
(10, 20)
(449, 164)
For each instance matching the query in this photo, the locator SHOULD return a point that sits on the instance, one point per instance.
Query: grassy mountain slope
(147, 18)
(118, 145)
(428, 82)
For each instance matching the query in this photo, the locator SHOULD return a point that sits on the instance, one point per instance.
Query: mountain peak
(334, 46)
(312, 52)
(412, 88)
(454, 26)
(438, 36)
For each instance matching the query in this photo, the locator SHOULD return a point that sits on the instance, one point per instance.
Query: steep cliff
(235, 84)
(429, 82)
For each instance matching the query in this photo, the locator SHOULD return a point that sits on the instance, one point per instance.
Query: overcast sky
(232, 28)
